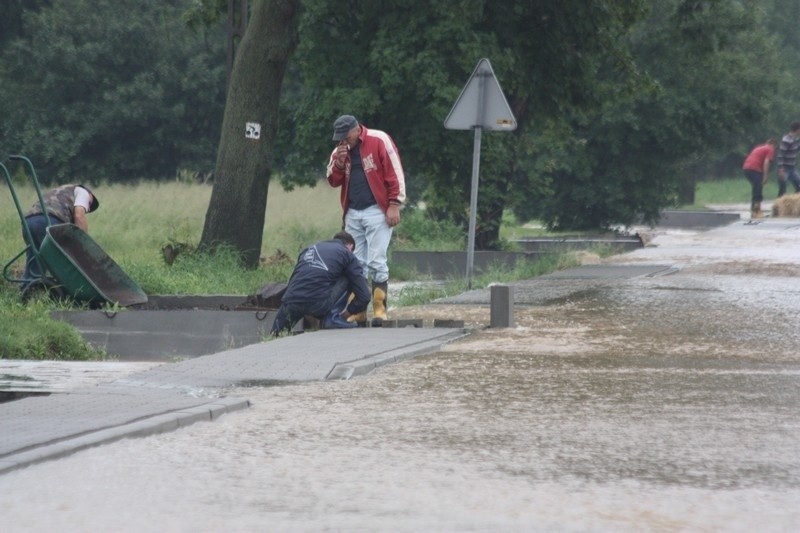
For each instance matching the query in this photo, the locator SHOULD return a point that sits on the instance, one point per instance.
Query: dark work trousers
(757, 184)
(37, 224)
(289, 314)
(790, 173)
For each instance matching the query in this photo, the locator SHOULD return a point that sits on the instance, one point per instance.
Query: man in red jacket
(366, 165)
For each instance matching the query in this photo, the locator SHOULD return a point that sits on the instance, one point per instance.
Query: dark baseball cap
(342, 126)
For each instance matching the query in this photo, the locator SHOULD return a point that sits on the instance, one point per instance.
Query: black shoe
(336, 321)
(281, 323)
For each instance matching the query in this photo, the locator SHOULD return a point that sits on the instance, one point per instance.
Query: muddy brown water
(650, 404)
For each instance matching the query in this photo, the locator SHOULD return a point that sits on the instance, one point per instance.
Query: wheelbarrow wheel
(43, 286)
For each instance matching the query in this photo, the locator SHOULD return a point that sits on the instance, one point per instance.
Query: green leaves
(113, 90)
(399, 67)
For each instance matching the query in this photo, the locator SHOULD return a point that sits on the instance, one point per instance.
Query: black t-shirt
(359, 195)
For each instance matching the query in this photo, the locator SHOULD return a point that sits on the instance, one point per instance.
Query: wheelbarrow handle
(27, 232)
(35, 179)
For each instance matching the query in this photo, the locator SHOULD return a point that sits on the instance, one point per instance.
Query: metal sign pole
(473, 204)
(476, 167)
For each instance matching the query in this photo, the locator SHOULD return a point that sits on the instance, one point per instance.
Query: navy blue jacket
(318, 269)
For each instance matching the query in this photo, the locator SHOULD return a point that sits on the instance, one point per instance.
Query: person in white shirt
(67, 204)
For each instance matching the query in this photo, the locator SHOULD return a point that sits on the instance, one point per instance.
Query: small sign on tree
(252, 130)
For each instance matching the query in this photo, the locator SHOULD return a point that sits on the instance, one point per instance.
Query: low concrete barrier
(696, 219)
(219, 302)
(441, 265)
(566, 244)
(158, 335)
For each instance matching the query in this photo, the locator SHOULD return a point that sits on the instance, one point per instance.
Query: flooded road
(576, 420)
(651, 404)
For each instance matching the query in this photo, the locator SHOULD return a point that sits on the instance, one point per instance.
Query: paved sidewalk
(743, 246)
(174, 395)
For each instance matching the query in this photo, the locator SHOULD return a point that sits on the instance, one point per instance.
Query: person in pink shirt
(756, 170)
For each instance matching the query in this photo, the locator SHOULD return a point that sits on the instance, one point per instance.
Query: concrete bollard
(502, 307)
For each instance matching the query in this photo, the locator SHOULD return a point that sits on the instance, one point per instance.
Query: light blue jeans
(372, 235)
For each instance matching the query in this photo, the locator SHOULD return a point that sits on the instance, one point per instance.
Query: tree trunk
(487, 234)
(491, 203)
(686, 190)
(238, 205)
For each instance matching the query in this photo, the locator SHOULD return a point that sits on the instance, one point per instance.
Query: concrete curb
(141, 428)
(350, 369)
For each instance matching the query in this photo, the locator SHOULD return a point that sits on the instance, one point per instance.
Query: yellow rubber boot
(358, 318)
(379, 302)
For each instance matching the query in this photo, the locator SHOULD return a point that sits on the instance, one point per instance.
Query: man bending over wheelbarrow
(67, 204)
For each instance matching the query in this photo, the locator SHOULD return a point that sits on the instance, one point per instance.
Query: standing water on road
(463, 440)
(650, 404)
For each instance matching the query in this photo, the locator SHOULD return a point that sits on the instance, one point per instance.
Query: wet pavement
(173, 395)
(657, 390)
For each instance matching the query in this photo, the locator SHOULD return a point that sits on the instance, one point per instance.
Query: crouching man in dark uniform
(325, 274)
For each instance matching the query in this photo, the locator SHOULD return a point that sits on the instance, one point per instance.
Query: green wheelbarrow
(78, 267)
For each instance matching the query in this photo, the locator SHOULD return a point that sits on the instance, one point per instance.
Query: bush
(417, 231)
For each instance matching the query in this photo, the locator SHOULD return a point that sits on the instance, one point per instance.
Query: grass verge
(136, 222)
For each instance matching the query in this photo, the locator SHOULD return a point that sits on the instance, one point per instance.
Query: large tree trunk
(237, 209)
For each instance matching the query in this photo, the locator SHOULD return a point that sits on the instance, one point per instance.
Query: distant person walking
(756, 170)
(786, 161)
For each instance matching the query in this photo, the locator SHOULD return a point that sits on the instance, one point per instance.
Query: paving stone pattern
(173, 395)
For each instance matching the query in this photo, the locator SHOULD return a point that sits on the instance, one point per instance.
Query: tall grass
(151, 215)
(27, 332)
(135, 222)
(734, 190)
(132, 226)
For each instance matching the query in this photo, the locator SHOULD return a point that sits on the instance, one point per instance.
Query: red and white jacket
(381, 165)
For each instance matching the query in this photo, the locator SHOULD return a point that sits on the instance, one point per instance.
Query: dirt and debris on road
(733, 293)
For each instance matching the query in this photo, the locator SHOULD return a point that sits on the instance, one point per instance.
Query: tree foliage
(621, 104)
(399, 66)
(112, 89)
(713, 71)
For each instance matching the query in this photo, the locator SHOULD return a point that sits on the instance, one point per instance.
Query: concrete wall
(149, 335)
(441, 265)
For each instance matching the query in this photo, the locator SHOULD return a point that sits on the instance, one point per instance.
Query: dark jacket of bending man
(323, 277)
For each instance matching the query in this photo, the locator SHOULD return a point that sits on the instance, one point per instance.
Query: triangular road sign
(481, 104)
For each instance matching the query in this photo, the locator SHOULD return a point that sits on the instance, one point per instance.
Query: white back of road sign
(481, 103)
